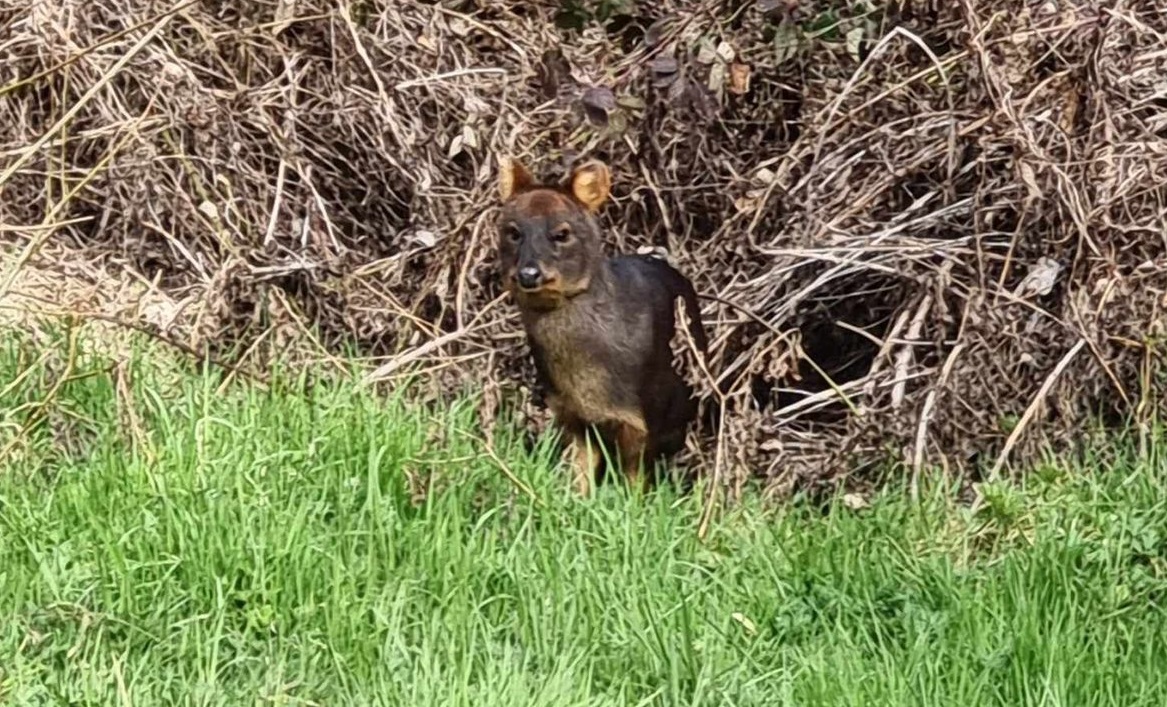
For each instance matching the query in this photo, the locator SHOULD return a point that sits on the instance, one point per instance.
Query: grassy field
(164, 541)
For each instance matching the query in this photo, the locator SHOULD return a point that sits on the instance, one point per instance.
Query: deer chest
(578, 367)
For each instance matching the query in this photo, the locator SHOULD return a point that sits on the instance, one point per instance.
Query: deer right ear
(513, 178)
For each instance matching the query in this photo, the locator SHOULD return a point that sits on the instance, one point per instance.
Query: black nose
(529, 276)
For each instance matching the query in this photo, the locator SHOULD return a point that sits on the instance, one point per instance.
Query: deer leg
(585, 460)
(631, 444)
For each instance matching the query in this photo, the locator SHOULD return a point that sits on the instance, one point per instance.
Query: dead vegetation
(934, 232)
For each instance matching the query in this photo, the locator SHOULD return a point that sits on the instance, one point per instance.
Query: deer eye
(512, 233)
(561, 234)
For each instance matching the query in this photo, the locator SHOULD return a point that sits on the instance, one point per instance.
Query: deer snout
(529, 277)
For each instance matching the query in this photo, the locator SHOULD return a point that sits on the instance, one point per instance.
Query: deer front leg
(585, 458)
(631, 444)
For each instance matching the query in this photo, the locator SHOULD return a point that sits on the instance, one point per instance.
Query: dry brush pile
(931, 231)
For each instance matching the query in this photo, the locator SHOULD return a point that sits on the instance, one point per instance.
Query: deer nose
(529, 276)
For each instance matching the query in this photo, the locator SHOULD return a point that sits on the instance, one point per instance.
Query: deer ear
(513, 178)
(591, 183)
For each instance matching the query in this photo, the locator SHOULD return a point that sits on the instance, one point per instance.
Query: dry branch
(904, 220)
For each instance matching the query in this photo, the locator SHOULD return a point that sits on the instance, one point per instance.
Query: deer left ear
(591, 183)
(513, 178)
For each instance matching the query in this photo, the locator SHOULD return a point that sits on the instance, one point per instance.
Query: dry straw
(932, 232)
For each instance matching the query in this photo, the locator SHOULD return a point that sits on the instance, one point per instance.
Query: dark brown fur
(599, 328)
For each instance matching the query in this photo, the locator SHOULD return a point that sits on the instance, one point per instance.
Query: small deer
(599, 328)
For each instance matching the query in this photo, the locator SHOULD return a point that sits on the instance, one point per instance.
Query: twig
(926, 417)
(449, 75)
(1031, 411)
(414, 354)
(502, 466)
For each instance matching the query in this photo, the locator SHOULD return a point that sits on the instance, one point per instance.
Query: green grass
(275, 548)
